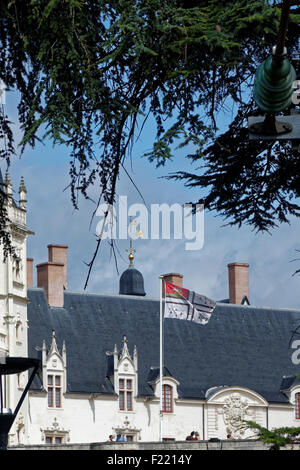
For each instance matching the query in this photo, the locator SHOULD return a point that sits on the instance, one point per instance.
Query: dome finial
(136, 234)
(131, 255)
(131, 281)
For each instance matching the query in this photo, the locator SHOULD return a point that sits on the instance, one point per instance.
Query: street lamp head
(10, 366)
(16, 365)
(273, 87)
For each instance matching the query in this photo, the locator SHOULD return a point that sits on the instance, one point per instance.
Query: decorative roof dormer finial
(125, 351)
(53, 342)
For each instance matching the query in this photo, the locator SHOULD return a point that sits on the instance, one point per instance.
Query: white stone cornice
(15, 297)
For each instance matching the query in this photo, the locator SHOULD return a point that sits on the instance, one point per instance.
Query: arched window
(167, 399)
(297, 405)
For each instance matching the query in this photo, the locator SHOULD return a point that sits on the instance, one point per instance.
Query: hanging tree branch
(88, 72)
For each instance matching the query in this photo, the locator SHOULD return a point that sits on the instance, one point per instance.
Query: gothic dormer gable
(126, 363)
(125, 379)
(54, 359)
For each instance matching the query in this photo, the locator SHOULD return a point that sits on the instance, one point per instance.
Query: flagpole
(161, 361)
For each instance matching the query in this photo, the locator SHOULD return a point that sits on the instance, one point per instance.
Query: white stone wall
(84, 418)
(93, 418)
(13, 311)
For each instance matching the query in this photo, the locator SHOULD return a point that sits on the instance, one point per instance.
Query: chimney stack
(29, 272)
(238, 277)
(52, 275)
(59, 254)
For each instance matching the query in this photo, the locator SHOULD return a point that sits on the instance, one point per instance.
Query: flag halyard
(183, 304)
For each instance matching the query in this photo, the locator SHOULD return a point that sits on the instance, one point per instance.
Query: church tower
(13, 303)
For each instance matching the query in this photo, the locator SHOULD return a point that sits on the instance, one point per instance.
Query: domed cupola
(132, 281)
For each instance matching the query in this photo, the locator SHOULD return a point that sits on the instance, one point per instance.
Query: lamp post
(273, 87)
(10, 366)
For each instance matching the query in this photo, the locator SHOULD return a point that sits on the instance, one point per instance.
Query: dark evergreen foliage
(277, 438)
(89, 73)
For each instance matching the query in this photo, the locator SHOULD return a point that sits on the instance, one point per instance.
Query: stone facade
(223, 415)
(116, 448)
(54, 414)
(13, 307)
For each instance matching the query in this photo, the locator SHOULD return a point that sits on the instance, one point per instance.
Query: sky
(52, 218)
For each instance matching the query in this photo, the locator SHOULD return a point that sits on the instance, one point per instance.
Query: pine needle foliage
(90, 73)
(278, 437)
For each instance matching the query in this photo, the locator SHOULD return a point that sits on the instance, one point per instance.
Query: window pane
(57, 397)
(121, 400)
(58, 440)
(129, 384)
(297, 403)
(129, 401)
(50, 396)
(57, 380)
(121, 383)
(167, 398)
(50, 379)
(48, 440)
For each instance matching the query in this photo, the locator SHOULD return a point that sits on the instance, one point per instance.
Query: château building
(100, 355)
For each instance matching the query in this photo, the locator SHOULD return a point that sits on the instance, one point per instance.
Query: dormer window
(167, 405)
(297, 405)
(54, 373)
(125, 376)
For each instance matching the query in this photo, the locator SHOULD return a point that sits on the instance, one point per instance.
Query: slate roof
(240, 346)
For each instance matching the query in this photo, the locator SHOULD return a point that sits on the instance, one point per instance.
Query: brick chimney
(52, 275)
(29, 272)
(172, 278)
(238, 277)
(59, 254)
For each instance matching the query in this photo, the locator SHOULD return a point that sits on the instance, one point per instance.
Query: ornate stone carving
(17, 265)
(126, 428)
(56, 431)
(20, 429)
(235, 411)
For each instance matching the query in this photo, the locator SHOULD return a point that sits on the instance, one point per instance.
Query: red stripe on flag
(172, 289)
